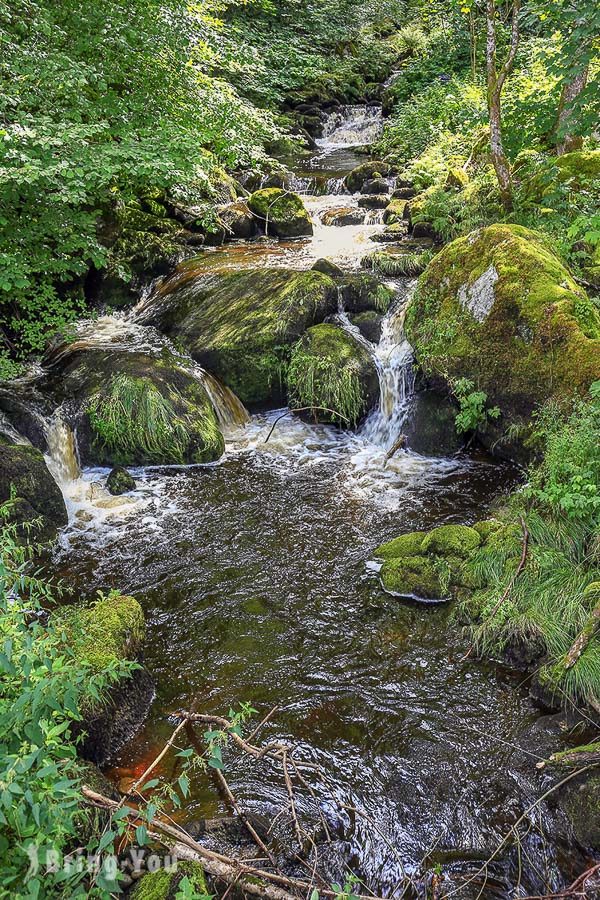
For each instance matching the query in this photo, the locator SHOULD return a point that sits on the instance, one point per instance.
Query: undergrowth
(315, 382)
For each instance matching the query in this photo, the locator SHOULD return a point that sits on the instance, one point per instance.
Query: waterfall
(351, 126)
(394, 357)
(229, 409)
(62, 451)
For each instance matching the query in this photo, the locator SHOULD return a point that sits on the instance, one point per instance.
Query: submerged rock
(239, 324)
(136, 408)
(281, 213)
(498, 308)
(331, 370)
(119, 481)
(107, 633)
(38, 508)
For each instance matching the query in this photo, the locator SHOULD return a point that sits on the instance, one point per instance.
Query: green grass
(132, 422)
(408, 264)
(320, 383)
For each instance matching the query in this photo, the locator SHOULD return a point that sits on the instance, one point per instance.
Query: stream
(258, 581)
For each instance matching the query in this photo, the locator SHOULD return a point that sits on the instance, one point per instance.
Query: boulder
(280, 213)
(429, 566)
(357, 177)
(375, 186)
(109, 632)
(119, 481)
(326, 267)
(404, 193)
(38, 498)
(343, 215)
(391, 235)
(394, 212)
(369, 325)
(332, 370)
(498, 308)
(131, 408)
(373, 201)
(239, 323)
(238, 221)
(363, 292)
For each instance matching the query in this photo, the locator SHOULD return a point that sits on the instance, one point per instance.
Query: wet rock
(373, 201)
(514, 322)
(134, 407)
(375, 186)
(39, 502)
(404, 193)
(108, 632)
(238, 221)
(424, 230)
(326, 267)
(394, 212)
(331, 370)
(239, 324)
(357, 177)
(369, 325)
(360, 293)
(343, 215)
(280, 213)
(119, 481)
(392, 234)
(580, 800)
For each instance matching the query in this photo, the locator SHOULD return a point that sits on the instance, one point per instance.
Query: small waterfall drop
(62, 452)
(229, 409)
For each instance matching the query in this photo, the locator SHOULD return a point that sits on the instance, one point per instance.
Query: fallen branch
(512, 581)
(400, 444)
(583, 638)
(290, 412)
(577, 889)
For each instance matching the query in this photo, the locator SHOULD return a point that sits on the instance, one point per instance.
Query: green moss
(393, 214)
(240, 324)
(404, 545)
(164, 885)
(281, 212)
(416, 576)
(329, 369)
(487, 528)
(110, 630)
(452, 540)
(134, 422)
(357, 177)
(580, 163)
(457, 178)
(497, 307)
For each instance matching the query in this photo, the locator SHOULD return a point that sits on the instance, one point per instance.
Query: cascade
(351, 126)
(62, 451)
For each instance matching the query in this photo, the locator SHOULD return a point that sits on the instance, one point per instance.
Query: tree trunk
(569, 94)
(495, 83)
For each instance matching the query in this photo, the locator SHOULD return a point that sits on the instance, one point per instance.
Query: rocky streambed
(250, 537)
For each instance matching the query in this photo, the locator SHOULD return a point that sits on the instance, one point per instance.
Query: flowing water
(259, 584)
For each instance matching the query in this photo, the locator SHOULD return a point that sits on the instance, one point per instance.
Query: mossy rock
(580, 800)
(241, 324)
(119, 481)
(409, 544)
(280, 213)
(237, 220)
(366, 171)
(457, 178)
(498, 308)
(579, 164)
(393, 214)
(369, 324)
(38, 498)
(487, 528)
(451, 540)
(363, 292)
(327, 267)
(330, 369)
(107, 632)
(137, 408)
(343, 215)
(165, 885)
(413, 576)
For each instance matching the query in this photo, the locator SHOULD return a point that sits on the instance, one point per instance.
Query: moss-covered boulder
(393, 214)
(364, 292)
(38, 501)
(327, 267)
(498, 308)
(119, 481)
(240, 324)
(108, 633)
(167, 885)
(281, 213)
(365, 172)
(332, 375)
(429, 565)
(136, 408)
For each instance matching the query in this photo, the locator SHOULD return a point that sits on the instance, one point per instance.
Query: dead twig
(290, 412)
(577, 889)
